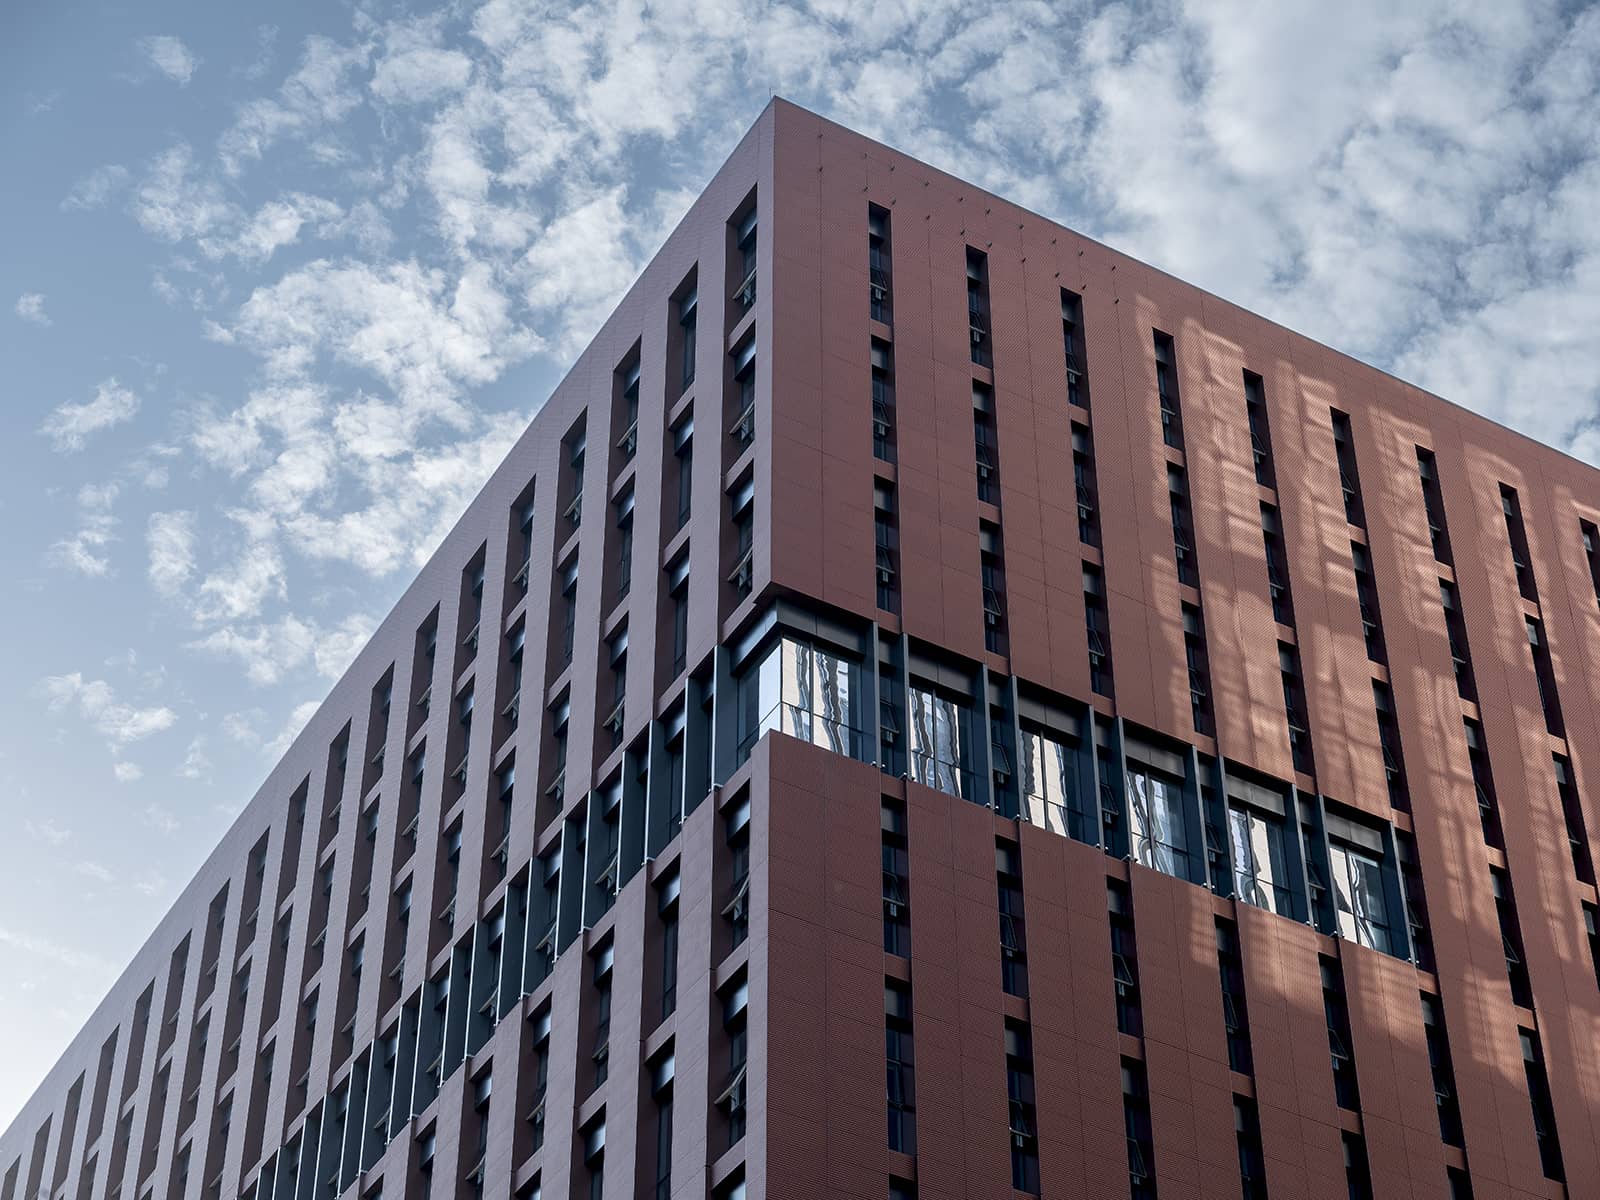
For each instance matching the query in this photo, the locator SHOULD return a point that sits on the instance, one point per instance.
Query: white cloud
(151, 883)
(195, 764)
(83, 552)
(255, 576)
(93, 870)
(120, 723)
(30, 307)
(161, 819)
(97, 187)
(243, 726)
(173, 201)
(268, 651)
(170, 56)
(46, 831)
(127, 772)
(71, 425)
(318, 93)
(170, 538)
(302, 713)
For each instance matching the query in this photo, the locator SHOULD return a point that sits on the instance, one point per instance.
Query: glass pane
(833, 703)
(1046, 780)
(935, 742)
(1358, 891)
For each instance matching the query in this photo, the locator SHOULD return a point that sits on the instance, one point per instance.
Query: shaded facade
(915, 644)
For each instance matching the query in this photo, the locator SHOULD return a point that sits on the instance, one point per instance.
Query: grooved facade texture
(914, 643)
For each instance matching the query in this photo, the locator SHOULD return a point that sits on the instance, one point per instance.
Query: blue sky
(279, 284)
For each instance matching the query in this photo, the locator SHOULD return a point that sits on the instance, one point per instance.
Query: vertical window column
(901, 1066)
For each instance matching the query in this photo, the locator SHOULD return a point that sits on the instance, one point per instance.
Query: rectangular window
(901, 1066)
(803, 690)
(883, 447)
(667, 911)
(624, 543)
(992, 575)
(1545, 673)
(744, 292)
(1085, 485)
(1252, 1162)
(1157, 827)
(1433, 504)
(1367, 598)
(1521, 560)
(731, 1100)
(1072, 342)
(896, 881)
(1336, 1013)
(661, 1090)
(1097, 623)
(1277, 566)
(938, 738)
(1591, 928)
(1182, 526)
(887, 546)
(683, 456)
(1349, 479)
(1505, 907)
(1136, 1123)
(1544, 1113)
(1294, 707)
(1235, 1013)
(736, 911)
(1020, 1102)
(688, 327)
(1256, 838)
(1456, 631)
(1198, 664)
(978, 306)
(1050, 783)
(1013, 927)
(1394, 766)
(1591, 551)
(1167, 391)
(878, 264)
(1572, 812)
(1255, 403)
(1355, 854)
(743, 429)
(1357, 1172)
(600, 1056)
(986, 455)
(1444, 1075)
(1124, 960)
(1483, 783)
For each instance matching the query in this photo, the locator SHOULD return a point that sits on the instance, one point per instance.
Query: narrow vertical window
(1591, 552)
(1167, 391)
(1444, 1074)
(901, 1066)
(1367, 599)
(1394, 764)
(1277, 566)
(1255, 403)
(1483, 784)
(887, 547)
(1136, 1124)
(896, 881)
(1545, 672)
(1544, 1113)
(1020, 1099)
(1294, 706)
(1572, 812)
(1517, 535)
(878, 263)
(1346, 1091)
(1252, 1162)
(1124, 960)
(1505, 907)
(1072, 341)
(688, 328)
(1085, 485)
(985, 453)
(1182, 526)
(1433, 503)
(1357, 1171)
(883, 447)
(1199, 668)
(1456, 630)
(1013, 928)
(1098, 624)
(978, 306)
(1235, 1012)
(992, 575)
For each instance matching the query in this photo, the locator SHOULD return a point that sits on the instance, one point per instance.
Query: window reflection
(803, 691)
(1259, 872)
(1048, 781)
(1155, 819)
(936, 742)
(1358, 892)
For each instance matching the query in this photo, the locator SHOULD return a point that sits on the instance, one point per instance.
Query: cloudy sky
(279, 284)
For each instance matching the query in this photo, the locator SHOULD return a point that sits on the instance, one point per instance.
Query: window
(678, 599)
(1456, 629)
(1572, 811)
(683, 455)
(1294, 707)
(1252, 1162)
(1521, 560)
(605, 849)
(624, 543)
(574, 445)
(1255, 403)
(1355, 855)
(688, 321)
(569, 608)
(896, 881)
(627, 411)
(741, 505)
(1337, 1015)
(901, 1066)
(1085, 485)
(1444, 1076)
(600, 1056)
(991, 570)
(1511, 938)
(1199, 668)
(1157, 827)
(1394, 767)
(1349, 480)
(1136, 1122)
(731, 1100)
(1167, 391)
(1071, 342)
(985, 453)
(1545, 673)
(882, 401)
(1182, 527)
(1544, 1113)
(1591, 551)
(1433, 504)
(743, 430)
(1020, 1101)
(1256, 838)
(938, 736)
(1049, 782)
(1235, 1013)
(1124, 960)
(525, 515)
(667, 910)
(1483, 783)
(1013, 927)
(736, 911)
(1591, 927)
(541, 1075)
(744, 294)
(887, 546)
(978, 305)
(1367, 598)
(594, 1158)
(1277, 566)
(803, 690)
(1357, 1173)
(516, 643)
(878, 263)
(1098, 625)
(661, 1090)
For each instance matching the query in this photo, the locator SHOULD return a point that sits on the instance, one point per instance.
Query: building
(1182, 766)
